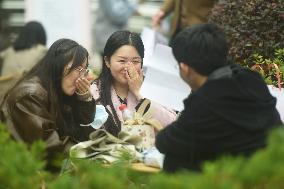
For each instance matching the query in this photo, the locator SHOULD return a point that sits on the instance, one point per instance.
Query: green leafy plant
(22, 167)
(251, 26)
(272, 69)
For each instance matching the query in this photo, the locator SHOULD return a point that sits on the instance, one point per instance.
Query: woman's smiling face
(118, 63)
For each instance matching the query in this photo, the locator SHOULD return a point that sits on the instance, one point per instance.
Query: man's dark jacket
(232, 113)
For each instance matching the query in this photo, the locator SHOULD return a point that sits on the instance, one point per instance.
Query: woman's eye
(79, 68)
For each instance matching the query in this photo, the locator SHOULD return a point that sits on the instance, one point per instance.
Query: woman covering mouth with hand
(52, 100)
(121, 79)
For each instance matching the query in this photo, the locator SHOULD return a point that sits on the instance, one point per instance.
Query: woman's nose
(129, 63)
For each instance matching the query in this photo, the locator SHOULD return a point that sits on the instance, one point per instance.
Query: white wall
(62, 19)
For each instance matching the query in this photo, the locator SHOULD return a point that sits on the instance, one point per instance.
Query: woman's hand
(82, 85)
(83, 89)
(157, 18)
(135, 80)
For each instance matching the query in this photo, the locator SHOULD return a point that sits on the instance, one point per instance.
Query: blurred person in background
(26, 51)
(4, 29)
(112, 15)
(185, 13)
(52, 101)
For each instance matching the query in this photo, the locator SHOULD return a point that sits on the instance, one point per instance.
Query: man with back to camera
(230, 111)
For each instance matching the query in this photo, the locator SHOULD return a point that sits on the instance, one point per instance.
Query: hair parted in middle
(105, 79)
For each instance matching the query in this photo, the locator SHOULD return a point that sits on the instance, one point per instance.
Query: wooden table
(144, 168)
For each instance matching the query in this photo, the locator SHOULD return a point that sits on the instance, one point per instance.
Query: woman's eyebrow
(122, 57)
(136, 57)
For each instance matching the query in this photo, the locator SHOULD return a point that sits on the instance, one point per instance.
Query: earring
(107, 63)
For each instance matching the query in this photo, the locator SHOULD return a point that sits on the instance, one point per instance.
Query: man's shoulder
(240, 80)
(194, 101)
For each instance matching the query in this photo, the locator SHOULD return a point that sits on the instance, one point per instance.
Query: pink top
(161, 113)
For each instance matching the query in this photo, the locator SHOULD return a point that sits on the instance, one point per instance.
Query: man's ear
(184, 68)
(106, 60)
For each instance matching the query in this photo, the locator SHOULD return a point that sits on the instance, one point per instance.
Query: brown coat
(195, 11)
(6, 82)
(27, 115)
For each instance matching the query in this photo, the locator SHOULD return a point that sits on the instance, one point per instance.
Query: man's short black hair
(203, 47)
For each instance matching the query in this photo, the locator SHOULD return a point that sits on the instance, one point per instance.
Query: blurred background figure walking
(26, 51)
(112, 15)
(185, 13)
(22, 55)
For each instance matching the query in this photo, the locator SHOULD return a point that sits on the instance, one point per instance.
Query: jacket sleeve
(118, 11)
(85, 111)
(182, 137)
(32, 121)
(173, 139)
(191, 135)
(168, 6)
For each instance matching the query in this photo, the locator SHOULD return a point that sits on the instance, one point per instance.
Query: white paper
(150, 38)
(279, 94)
(162, 82)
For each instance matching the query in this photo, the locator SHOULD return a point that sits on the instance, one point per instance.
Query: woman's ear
(106, 60)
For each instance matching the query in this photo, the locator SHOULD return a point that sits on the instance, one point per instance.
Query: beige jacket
(20, 61)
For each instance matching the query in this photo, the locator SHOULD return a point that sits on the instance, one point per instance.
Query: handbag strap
(102, 135)
(141, 110)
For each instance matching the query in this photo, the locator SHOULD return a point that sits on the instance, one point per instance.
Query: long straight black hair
(105, 79)
(32, 34)
(50, 73)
